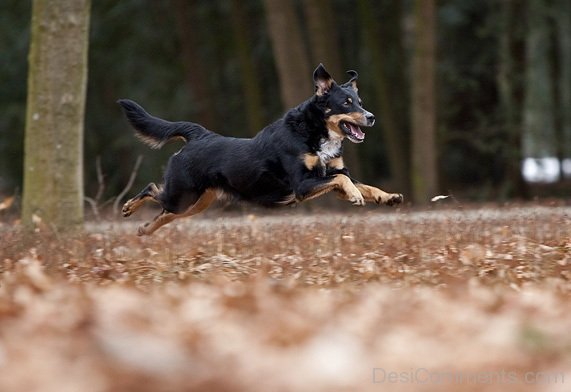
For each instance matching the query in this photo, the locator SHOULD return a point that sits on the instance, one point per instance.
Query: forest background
(501, 91)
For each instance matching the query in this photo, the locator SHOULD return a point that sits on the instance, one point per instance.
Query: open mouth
(352, 131)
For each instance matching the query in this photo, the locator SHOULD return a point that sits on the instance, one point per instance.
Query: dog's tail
(155, 131)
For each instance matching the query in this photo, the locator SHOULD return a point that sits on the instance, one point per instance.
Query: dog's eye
(348, 102)
(360, 103)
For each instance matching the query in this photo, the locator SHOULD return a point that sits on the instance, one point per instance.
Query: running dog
(296, 158)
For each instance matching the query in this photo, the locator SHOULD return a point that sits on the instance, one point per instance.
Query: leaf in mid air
(439, 197)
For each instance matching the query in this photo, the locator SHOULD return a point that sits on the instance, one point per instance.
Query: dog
(296, 158)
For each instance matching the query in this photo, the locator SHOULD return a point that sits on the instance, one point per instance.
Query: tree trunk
(323, 36)
(510, 91)
(195, 70)
(424, 153)
(57, 77)
(289, 51)
(563, 22)
(539, 126)
(250, 79)
(393, 136)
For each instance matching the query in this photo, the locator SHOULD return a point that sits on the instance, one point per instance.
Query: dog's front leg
(376, 195)
(311, 188)
(370, 193)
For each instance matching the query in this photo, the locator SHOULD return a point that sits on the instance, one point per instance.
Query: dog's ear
(323, 81)
(353, 81)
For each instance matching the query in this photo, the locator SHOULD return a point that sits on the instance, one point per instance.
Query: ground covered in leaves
(459, 299)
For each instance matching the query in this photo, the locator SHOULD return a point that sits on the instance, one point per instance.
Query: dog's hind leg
(205, 199)
(150, 192)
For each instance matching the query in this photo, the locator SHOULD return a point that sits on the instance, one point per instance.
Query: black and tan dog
(297, 158)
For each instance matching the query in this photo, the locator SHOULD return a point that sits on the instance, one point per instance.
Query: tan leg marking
(370, 193)
(163, 218)
(336, 163)
(310, 160)
(340, 183)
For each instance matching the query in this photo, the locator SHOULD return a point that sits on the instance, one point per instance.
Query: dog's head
(342, 108)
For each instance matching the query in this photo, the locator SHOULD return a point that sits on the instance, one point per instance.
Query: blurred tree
(393, 133)
(53, 168)
(562, 58)
(424, 152)
(323, 40)
(14, 45)
(538, 121)
(193, 63)
(510, 92)
(289, 52)
(249, 76)
(473, 146)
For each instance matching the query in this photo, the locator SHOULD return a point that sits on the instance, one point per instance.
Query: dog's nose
(370, 118)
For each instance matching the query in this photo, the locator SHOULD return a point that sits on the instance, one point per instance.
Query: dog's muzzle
(370, 117)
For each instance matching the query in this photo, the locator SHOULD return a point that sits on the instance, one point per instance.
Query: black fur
(268, 169)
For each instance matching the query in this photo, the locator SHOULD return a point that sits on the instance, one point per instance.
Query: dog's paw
(381, 197)
(356, 199)
(127, 209)
(142, 230)
(393, 199)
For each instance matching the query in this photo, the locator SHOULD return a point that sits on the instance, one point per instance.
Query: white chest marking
(330, 148)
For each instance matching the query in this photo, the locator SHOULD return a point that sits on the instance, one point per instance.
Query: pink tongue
(356, 131)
